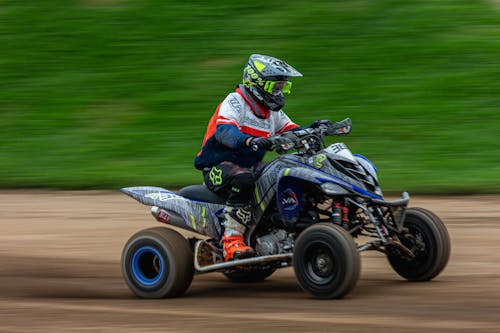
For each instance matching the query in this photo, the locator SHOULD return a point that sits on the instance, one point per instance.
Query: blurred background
(113, 93)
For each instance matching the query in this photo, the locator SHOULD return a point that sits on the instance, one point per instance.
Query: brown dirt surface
(60, 272)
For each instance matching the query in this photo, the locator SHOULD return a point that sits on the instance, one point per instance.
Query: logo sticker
(216, 176)
(289, 200)
(163, 216)
(235, 104)
(162, 196)
(244, 216)
(318, 160)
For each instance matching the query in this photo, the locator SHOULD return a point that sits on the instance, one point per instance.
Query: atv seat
(201, 193)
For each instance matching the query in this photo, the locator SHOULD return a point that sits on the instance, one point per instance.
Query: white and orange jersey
(236, 119)
(237, 109)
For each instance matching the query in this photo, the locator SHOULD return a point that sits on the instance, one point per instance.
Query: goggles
(278, 88)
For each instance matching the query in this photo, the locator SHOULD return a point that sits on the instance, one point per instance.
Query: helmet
(266, 78)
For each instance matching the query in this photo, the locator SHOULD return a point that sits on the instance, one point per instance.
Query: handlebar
(308, 138)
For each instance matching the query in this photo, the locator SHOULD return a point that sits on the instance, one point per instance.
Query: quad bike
(308, 207)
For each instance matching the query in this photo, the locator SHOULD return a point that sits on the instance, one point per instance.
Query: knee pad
(241, 188)
(243, 181)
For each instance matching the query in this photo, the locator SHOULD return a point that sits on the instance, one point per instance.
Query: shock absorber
(340, 214)
(345, 213)
(337, 213)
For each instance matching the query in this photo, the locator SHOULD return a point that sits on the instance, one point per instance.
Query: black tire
(158, 263)
(326, 261)
(249, 276)
(429, 260)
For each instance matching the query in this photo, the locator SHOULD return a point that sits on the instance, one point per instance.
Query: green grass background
(113, 93)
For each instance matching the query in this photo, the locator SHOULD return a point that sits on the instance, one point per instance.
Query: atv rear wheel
(157, 263)
(326, 261)
(428, 239)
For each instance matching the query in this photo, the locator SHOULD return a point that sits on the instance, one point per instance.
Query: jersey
(235, 120)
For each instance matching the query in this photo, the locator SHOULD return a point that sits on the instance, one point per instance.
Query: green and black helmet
(267, 79)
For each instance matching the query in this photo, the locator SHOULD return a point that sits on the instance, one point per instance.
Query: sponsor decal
(318, 160)
(255, 76)
(215, 176)
(254, 122)
(163, 216)
(244, 216)
(154, 196)
(289, 199)
(162, 196)
(235, 104)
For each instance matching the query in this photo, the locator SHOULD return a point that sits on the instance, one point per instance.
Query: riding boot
(235, 223)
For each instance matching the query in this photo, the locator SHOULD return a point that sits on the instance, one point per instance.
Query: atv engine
(276, 242)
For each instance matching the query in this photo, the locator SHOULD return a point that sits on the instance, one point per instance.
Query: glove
(318, 123)
(260, 143)
(343, 127)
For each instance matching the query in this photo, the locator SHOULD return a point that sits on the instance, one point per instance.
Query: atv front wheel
(158, 263)
(326, 261)
(428, 239)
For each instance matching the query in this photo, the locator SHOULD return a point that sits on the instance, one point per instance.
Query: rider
(245, 119)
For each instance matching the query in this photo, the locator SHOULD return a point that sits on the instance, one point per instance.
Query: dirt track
(60, 272)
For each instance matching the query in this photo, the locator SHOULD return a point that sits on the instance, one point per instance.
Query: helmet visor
(278, 88)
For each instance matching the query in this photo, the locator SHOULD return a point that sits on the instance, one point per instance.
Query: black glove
(318, 123)
(260, 143)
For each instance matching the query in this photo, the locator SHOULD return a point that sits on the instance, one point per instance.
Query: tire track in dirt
(60, 271)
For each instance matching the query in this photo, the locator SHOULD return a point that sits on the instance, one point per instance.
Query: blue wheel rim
(147, 266)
